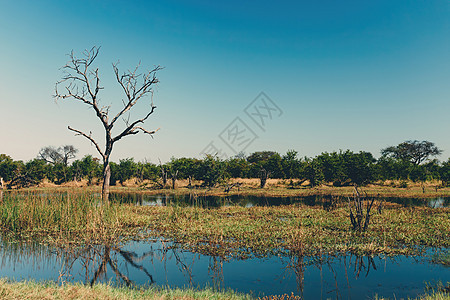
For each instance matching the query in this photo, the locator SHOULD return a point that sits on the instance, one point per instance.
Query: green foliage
(90, 168)
(267, 160)
(212, 170)
(127, 169)
(444, 173)
(8, 166)
(313, 172)
(340, 168)
(291, 165)
(60, 172)
(36, 169)
(359, 167)
(413, 151)
(343, 168)
(185, 166)
(149, 171)
(388, 168)
(237, 167)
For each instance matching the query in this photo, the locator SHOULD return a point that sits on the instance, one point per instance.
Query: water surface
(159, 263)
(249, 201)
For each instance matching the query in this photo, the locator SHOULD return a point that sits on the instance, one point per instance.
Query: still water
(249, 201)
(158, 262)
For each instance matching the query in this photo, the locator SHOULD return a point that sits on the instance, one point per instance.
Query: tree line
(410, 160)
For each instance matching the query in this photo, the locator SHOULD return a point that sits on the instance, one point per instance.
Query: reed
(69, 217)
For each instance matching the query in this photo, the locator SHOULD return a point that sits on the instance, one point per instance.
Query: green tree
(313, 172)
(28, 174)
(359, 167)
(332, 166)
(444, 173)
(88, 167)
(291, 164)
(127, 169)
(237, 167)
(413, 151)
(264, 164)
(185, 166)
(7, 167)
(212, 170)
(265, 160)
(150, 171)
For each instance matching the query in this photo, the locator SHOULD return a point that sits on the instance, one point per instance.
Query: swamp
(303, 247)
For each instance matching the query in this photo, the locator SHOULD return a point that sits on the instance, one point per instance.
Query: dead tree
(163, 175)
(228, 186)
(173, 177)
(361, 218)
(264, 175)
(60, 155)
(81, 82)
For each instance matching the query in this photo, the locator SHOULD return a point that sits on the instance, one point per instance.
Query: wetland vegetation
(78, 217)
(258, 208)
(74, 218)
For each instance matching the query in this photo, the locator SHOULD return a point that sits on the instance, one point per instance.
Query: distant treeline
(340, 168)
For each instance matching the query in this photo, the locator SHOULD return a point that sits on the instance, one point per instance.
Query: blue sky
(352, 75)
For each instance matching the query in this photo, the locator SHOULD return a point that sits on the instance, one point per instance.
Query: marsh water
(158, 262)
(249, 201)
(163, 263)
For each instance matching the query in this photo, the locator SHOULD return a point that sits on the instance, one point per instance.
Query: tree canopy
(413, 151)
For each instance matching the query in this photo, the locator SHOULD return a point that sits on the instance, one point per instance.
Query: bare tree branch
(77, 71)
(89, 138)
(132, 128)
(129, 83)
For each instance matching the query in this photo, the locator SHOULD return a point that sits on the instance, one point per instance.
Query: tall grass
(69, 216)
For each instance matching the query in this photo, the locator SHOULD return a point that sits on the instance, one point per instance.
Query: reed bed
(61, 218)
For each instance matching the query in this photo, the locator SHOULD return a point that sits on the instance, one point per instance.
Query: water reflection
(326, 201)
(162, 263)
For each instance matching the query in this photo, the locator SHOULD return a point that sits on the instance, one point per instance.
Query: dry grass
(32, 290)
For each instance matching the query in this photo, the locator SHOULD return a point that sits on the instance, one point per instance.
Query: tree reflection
(297, 264)
(337, 266)
(96, 260)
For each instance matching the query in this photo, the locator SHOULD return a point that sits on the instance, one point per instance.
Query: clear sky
(358, 75)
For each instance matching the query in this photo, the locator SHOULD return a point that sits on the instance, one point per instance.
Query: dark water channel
(156, 262)
(249, 201)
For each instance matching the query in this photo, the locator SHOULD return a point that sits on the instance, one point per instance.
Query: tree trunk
(263, 178)
(164, 177)
(106, 178)
(174, 179)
